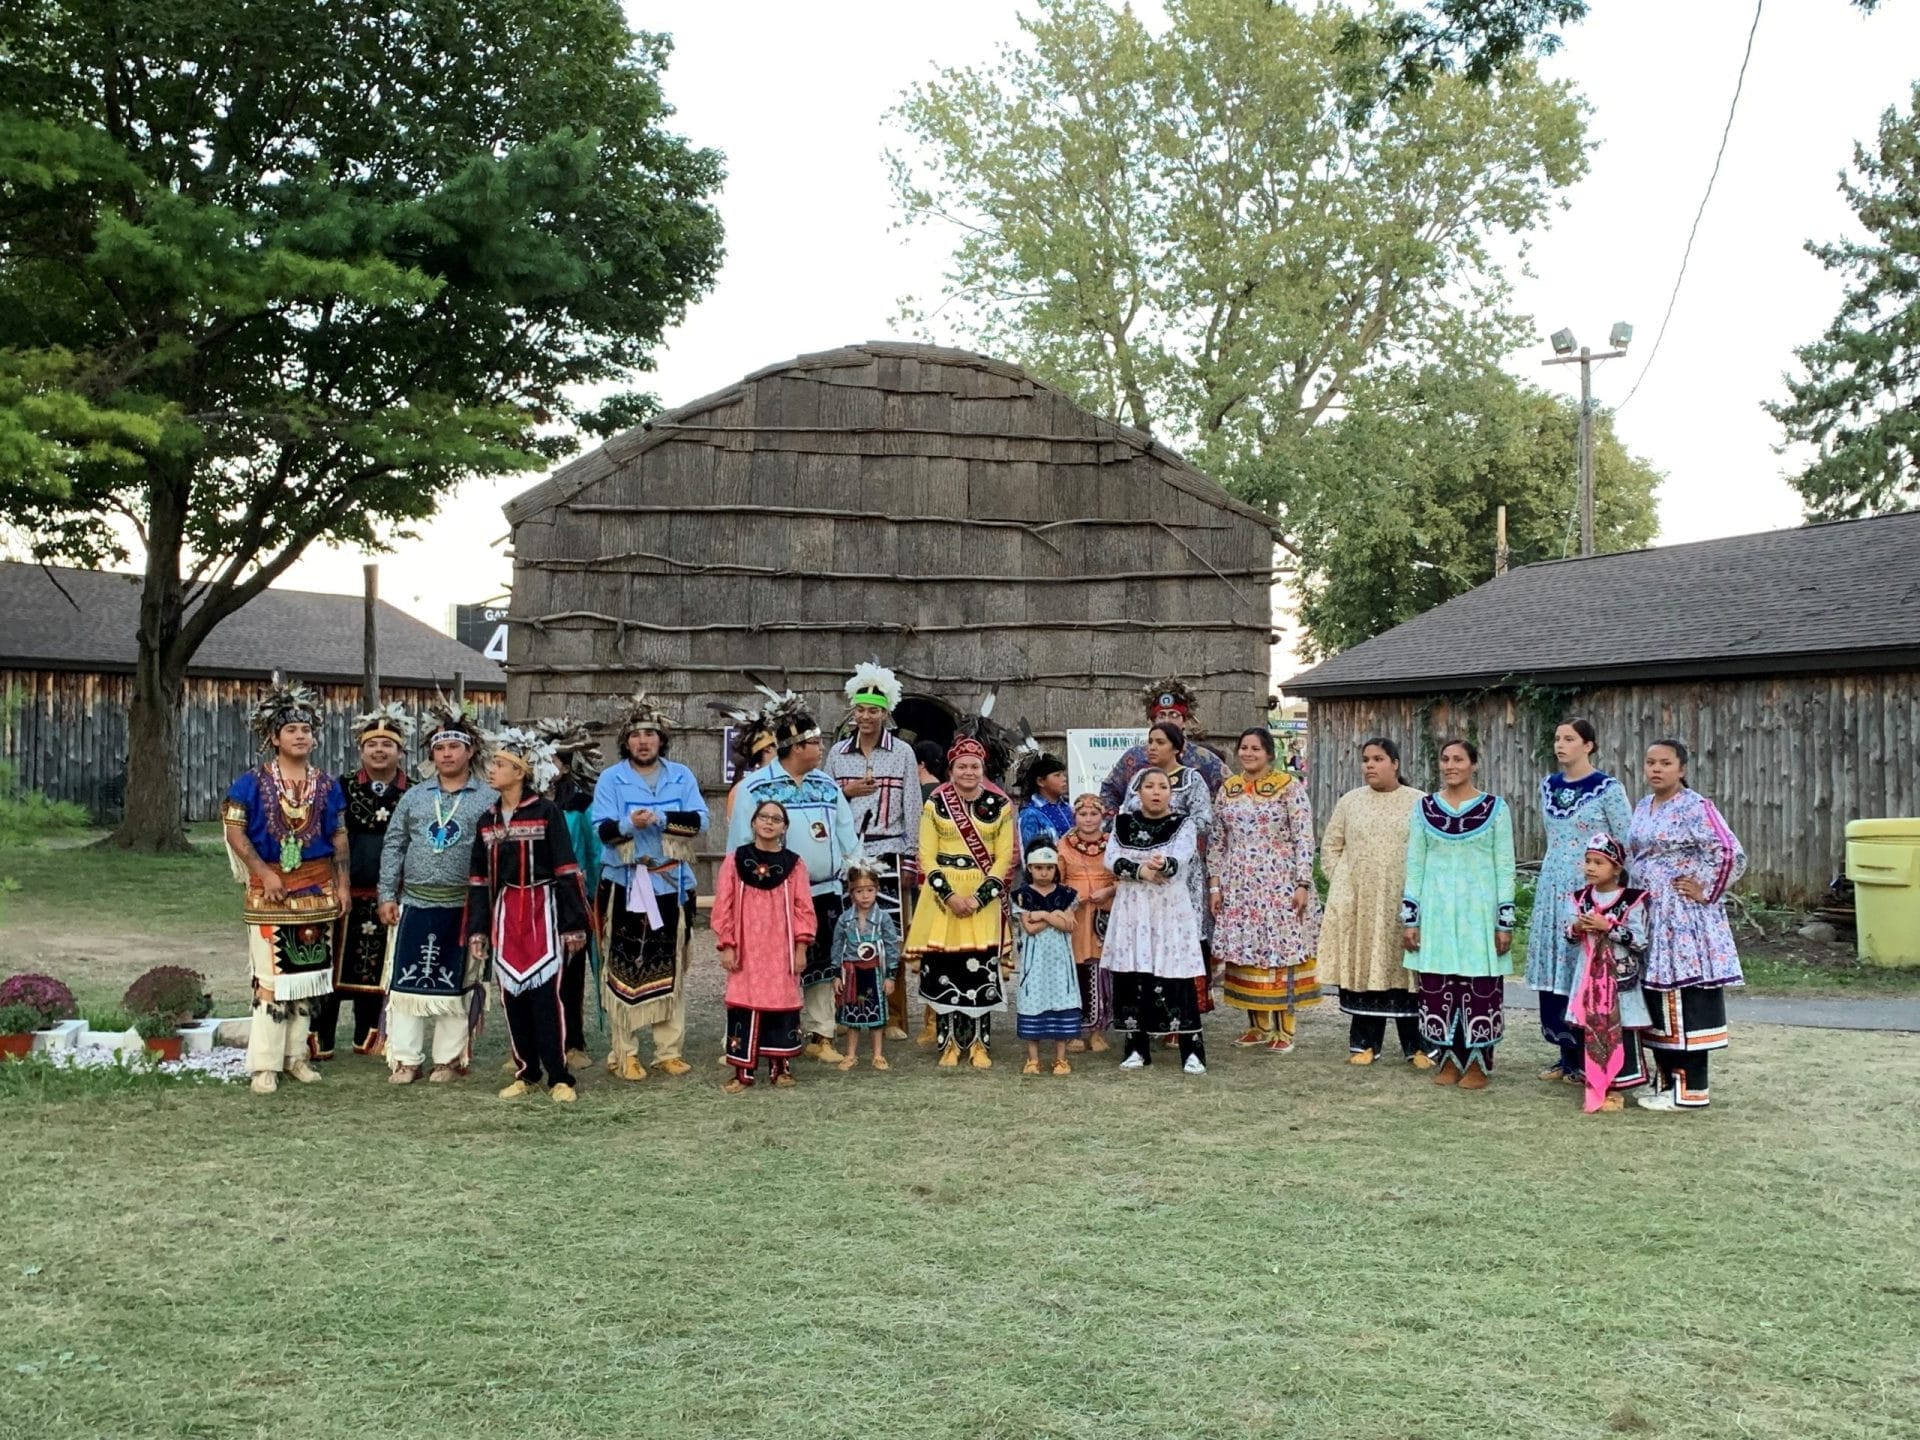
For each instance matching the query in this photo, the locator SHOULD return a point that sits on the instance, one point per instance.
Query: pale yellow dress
(1364, 855)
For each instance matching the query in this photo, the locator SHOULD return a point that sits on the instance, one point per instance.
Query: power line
(1687, 253)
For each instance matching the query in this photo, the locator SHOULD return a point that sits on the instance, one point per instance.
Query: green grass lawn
(1288, 1246)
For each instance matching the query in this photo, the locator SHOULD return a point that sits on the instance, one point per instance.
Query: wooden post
(370, 643)
(459, 687)
(1500, 541)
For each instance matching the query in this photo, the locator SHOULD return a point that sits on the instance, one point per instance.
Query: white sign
(1092, 754)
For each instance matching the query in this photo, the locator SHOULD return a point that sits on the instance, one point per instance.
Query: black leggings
(534, 1025)
(1139, 1043)
(962, 1030)
(326, 1019)
(1369, 1032)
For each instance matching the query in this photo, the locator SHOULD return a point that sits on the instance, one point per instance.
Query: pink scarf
(1595, 1008)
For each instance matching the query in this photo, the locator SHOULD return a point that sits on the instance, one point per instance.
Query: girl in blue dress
(1048, 1003)
(1576, 804)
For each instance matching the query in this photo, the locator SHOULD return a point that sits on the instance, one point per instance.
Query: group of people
(846, 863)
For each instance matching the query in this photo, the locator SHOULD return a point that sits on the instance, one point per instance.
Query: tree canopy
(1192, 230)
(1394, 505)
(271, 274)
(1395, 51)
(1858, 402)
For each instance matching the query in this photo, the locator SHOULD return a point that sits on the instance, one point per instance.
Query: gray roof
(1844, 595)
(61, 619)
(573, 477)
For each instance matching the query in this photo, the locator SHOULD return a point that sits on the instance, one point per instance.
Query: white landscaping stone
(196, 1038)
(128, 1039)
(62, 1035)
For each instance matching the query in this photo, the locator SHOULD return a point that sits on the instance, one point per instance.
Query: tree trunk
(154, 819)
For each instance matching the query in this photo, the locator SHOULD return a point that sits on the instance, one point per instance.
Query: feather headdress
(873, 684)
(532, 750)
(1174, 695)
(643, 714)
(452, 720)
(390, 719)
(754, 730)
(995, 743)
(288, 703)
(574, 748)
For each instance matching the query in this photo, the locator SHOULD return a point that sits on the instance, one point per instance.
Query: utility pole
(370, 640)
(1563, 354)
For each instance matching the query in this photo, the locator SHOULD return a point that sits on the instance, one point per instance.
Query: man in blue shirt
(286, 830)
(646, 810)
(820, 830)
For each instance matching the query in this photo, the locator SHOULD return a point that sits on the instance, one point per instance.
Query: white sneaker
(1134, 1062)
(1194, 1066)
(1662, 1101)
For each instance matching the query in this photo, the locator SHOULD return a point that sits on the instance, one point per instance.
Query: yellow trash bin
(1883, 861)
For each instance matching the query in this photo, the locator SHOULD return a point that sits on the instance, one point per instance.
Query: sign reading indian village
(1091, 755)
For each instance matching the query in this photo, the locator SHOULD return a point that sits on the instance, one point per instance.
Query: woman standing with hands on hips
(1682, 854)
(1459, 918)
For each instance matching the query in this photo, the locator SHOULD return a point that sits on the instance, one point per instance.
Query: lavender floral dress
(1691, 941)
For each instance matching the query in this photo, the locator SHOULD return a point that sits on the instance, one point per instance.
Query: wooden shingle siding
(883, 459)
(1788, 759)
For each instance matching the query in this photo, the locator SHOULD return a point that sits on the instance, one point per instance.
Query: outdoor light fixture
(1622, 335)
(1563, 342)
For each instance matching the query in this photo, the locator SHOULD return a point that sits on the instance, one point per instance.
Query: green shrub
(18, 1019)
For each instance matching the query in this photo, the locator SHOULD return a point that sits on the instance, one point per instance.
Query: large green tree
(1397, 50)
(1193, 231)
(1394, 504)
(1858, 402)
(278, 273)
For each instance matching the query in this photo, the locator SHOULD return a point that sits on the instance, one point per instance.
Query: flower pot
(16, 1045)
(167, 1047)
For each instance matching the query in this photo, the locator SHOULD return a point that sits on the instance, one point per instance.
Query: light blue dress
(1459, 886)
(1048, 1005)
(1573, 811)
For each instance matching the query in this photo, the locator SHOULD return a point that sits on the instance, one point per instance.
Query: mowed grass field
(1287, 1246)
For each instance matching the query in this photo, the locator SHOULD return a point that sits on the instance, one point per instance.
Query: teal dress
(1459, 895)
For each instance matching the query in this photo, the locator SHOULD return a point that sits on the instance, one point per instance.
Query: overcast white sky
(794, 95)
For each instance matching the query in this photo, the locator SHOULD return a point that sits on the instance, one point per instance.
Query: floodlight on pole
(1563, 354)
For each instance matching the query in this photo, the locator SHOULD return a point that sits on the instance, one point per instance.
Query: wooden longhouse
(943, 513)
(1788, 662)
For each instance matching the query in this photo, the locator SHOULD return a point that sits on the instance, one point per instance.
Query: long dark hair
(1680, 753)
(1384, 746)
(1260, 733)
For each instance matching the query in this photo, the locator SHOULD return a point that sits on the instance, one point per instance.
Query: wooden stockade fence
(65, 733)
(943, 513)
(1789, 759)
